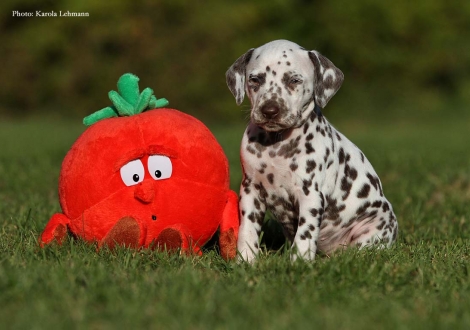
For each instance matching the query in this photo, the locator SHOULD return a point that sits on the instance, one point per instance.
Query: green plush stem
(160, 103)
(128, 87)
(122, 106)
(127, 101)
(144, 100)
(107, 112)
(152, 102)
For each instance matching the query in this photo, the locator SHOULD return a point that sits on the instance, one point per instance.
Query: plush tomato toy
(145, 179)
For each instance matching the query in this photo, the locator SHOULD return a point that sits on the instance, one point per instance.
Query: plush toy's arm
(56, 229)
(229, 227)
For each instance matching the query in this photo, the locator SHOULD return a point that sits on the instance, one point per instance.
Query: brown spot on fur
(341, 156)
(270, 177)
(353, 174)
(364, 192)
(377, 204)
(346, 187)
(332, 209)
(308, 148)
(289, 149)
(362, 208)
(306, 185)
(314, 212)
(306, 126)
(310, 165)
(262, 191)
(251, 150)
(385, 207)
(257, 204)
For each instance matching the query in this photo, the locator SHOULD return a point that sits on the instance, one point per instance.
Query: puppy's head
(284, 82)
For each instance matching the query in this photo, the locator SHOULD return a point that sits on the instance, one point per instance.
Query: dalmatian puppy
(313, 180)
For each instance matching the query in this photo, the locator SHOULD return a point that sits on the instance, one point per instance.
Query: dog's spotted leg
(306, 239)
(252, 211)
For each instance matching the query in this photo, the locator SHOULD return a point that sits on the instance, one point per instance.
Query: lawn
(423, 282)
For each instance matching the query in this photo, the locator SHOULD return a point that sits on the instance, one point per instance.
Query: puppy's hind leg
(380, 232)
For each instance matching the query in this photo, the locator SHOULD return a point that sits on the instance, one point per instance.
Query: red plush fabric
(56, 229)
(194, 201)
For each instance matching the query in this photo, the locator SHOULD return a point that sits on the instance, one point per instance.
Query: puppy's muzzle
(270, 110)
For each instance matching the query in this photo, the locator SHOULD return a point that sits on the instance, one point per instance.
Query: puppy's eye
(294, 81)
(254, 81)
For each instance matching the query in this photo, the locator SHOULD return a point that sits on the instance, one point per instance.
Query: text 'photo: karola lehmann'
(53, 13)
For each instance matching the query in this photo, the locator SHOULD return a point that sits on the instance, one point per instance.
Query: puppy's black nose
(270, 111)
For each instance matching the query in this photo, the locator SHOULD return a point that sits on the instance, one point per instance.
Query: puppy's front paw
(246, 254)
(307, 256)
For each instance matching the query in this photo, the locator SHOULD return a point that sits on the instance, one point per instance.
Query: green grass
(423, 282)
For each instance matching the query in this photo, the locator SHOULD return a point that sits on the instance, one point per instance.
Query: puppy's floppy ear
(235, 76)
(327, 78)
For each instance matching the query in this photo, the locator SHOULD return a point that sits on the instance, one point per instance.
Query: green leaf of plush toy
(144, 99)
(122, 106)
(128, 87)
(160, 103)
(107, 112)
(127, 101)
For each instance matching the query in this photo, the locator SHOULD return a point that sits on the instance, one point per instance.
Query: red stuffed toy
(155, 179)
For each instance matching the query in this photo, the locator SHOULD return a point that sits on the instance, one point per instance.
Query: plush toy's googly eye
(160, 167)
(133, 172)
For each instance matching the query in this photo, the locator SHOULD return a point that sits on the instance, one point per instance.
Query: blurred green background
(403, 60)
